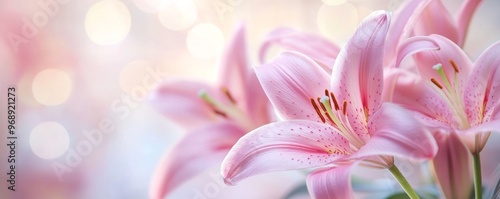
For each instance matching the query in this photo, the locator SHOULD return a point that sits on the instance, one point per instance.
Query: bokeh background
(83, 71)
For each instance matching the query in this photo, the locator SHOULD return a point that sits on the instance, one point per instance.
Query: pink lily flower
(436, 19)
(216, 116)
(456, 96)
(332, 123)
(453, 93)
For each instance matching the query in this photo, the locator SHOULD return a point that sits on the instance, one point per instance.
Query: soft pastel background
(87, 67)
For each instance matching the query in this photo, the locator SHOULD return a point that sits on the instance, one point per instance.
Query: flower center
(336, 116)
(227, 111)
(450, 93)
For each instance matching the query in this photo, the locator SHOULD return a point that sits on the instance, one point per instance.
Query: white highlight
(108, 22)
(49, 140)
(51, 87)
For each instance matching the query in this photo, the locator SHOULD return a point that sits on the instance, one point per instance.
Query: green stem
(477, 176)
(403, 182)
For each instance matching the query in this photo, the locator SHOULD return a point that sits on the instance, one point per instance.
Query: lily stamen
(317, 110)
(219, 113)
(335, 104)
(454, 65)
(325, 104)
(228, 95)
(344, 107)
(436, 83)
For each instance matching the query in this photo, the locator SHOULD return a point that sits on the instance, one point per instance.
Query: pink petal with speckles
(280, 146)
(396, 133)
(483, 86)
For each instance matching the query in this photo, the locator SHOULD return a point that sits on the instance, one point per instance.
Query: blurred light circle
(107, 22)
(334, 2)
(152, 6)
(338, 22)
(205, 41)
(178, 15)
(135, 74)
(49, 140)
(51, 87)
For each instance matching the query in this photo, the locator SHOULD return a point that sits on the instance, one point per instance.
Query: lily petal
(280, 146)
(482, 94)
(465, 15)
(259, 108)
(234, 65)
(452, 169)
(290, 81)
(414, 45)
(408, 47)
(179, 102)
(397, 133)
(195, 153)
(316, 47)
(330, 183)
(357, 73)
(357, 76)
(435, 19)
(492, 126)
(403, 21)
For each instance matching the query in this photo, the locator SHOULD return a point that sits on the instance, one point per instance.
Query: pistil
(450, 93)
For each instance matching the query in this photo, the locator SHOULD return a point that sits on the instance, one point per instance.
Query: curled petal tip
(382, 14)
(229, 182)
